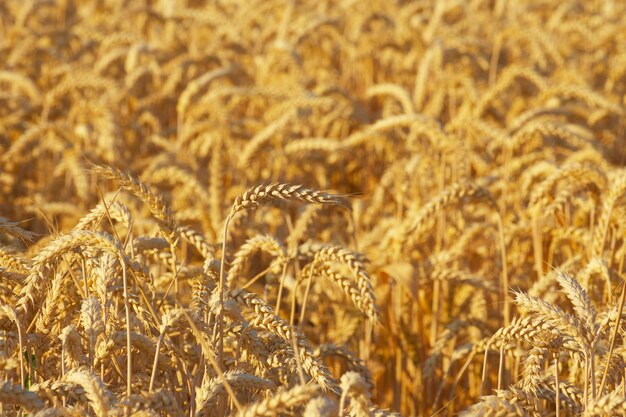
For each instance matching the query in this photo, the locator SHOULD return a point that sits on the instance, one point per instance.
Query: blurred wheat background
(318, 208)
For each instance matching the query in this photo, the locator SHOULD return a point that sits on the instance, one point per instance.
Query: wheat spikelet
(353, 361)
(197, 240)
(73, 356)
(263, 243)
(51, 307)
(266, 319)
(531, 330)
(533, 369)
(609, 404)
(580, 300)
(506, 79)
(32, 291)
(307, 146)
(584, 94)
(261, 194)
(556, 316)
(116, 210)
(54, 389)
(157, 206)
(196, 86)
(320, 407)
(366, 300)
(99, 397)
(280, 402)
(414, 226)
(146, 244)
(518, 397)
(14, 262)
(576, 173)
(354, 386)
(349, 287)
(158, 401)
(493, 406)
(173, 175)
(91, 320)
(615, 373)
(117, 340)
(211, 388)
(570, 396)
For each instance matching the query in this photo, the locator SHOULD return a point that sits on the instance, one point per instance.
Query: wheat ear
(281, 402)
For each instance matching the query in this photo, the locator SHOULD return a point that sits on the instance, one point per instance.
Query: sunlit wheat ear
(347, 285)
(72, 355)
(494, 406)
(556, 316)
(10, 313)
(14, 262)
(115, 210)
(265, 318)
(156, 401)
(98, 395)
(583, 307)
(353, 362)
(610, 404)
(280, 402)
(320, 407)
(262, 194)
(91, 321)
(211, 388)
(158, 208)
(31, 293)
(263, 243)
(354, 386)
(365, 300)
(413, 227)
(197, 240)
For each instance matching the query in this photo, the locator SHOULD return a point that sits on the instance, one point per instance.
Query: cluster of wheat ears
(317, 208)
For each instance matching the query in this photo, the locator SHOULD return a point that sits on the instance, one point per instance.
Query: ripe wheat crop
(312, 208)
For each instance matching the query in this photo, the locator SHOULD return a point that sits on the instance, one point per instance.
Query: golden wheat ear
(261, 194)
(281, 402)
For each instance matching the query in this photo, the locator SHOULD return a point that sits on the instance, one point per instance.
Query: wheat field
(312, 208)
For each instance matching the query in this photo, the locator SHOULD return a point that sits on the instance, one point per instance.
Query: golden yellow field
(312, 208)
